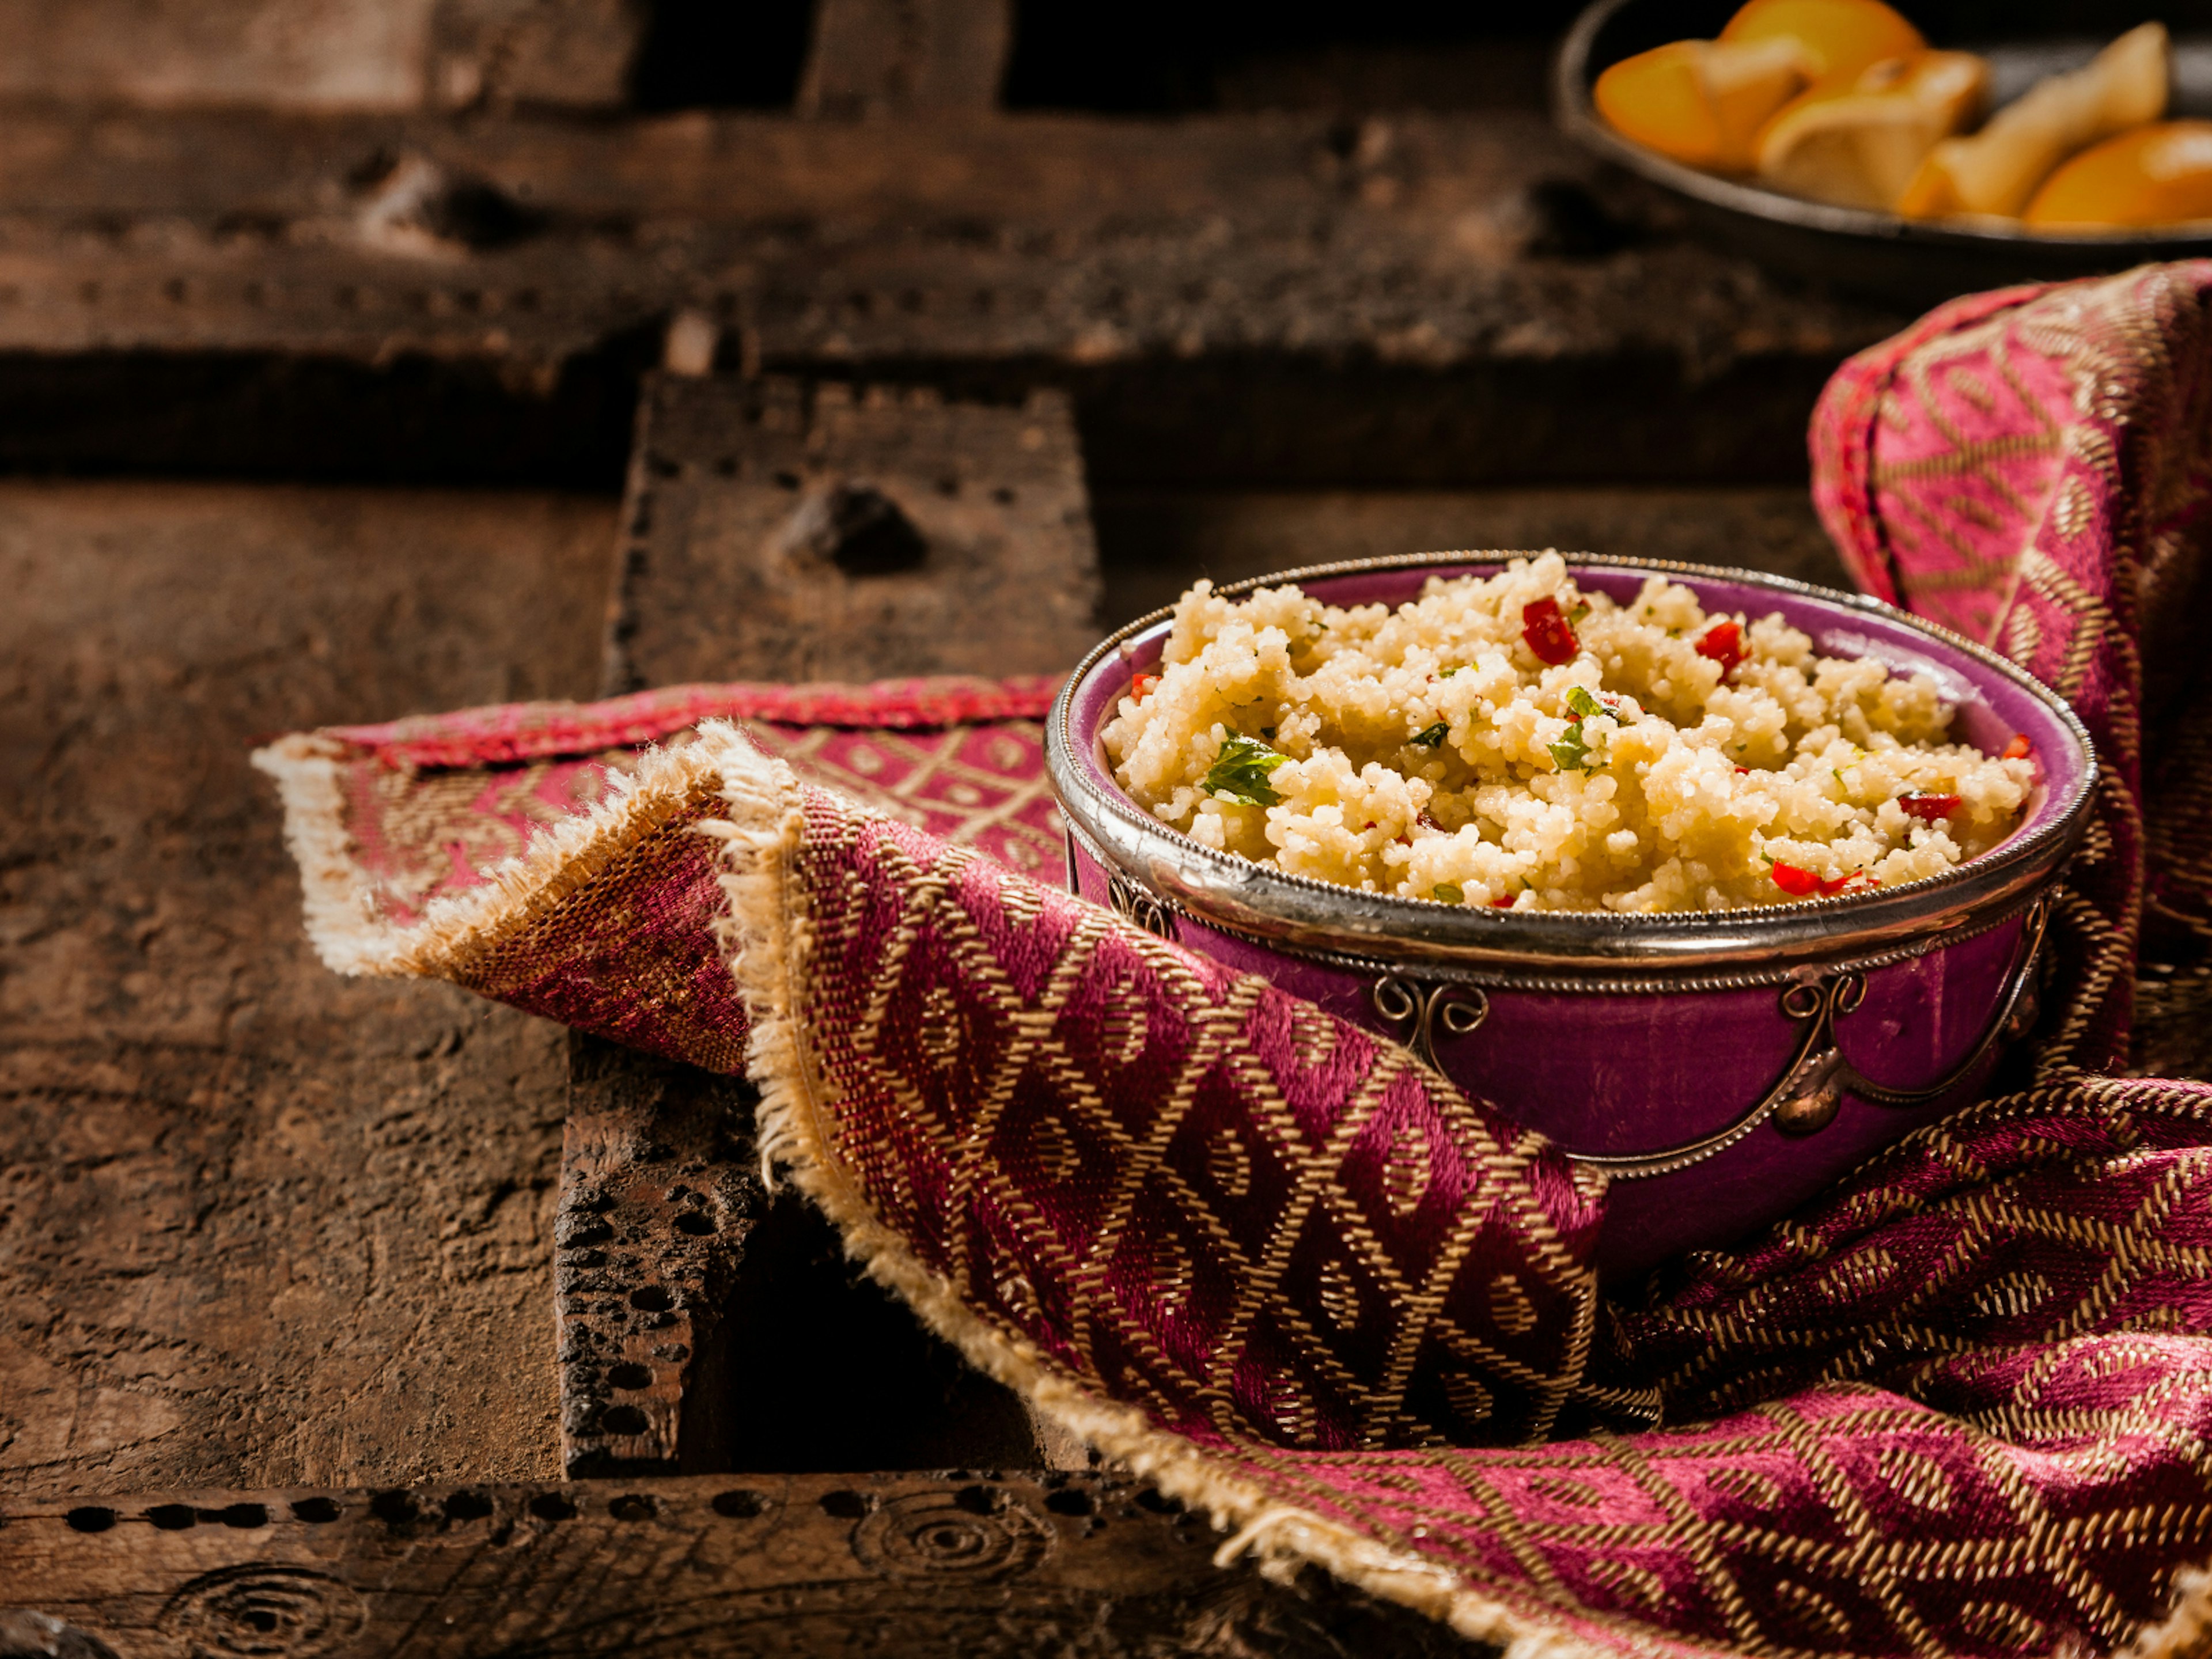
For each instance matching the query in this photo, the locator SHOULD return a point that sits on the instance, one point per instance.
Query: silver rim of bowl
(1760, 944)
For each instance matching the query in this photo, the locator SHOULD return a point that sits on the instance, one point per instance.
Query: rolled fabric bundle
(1958, 1406)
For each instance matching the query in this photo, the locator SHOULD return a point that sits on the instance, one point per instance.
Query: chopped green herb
(1579, 699)
(1241, 771)
(1571, 752)
(1582, 609)
(1446, 673)
(1450, 892)
(1430, 737)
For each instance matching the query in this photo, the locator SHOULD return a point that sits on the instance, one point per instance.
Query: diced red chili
(1143, 685)
(1548, 632)
(1795, 882)
(1743, 771)
(1423, 818)
(1723, 643)
(1503, 901)
(1929, 809)
(2018, 749)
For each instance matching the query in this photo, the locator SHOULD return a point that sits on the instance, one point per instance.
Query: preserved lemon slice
(1843, 39)
(2155, 175)
(1861, 147)
(1700, 101)
(1998, 168)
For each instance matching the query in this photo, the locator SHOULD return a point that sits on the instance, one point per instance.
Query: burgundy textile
(1958, 1406)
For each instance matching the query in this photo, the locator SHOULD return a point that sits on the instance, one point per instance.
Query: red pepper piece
(1929, 809)
(1723, 643)
(1423, 818)
(2018, 749)
(1142, 686)
(1548, 632)
(1795, 882)
(1503, 901)
(1743, 771)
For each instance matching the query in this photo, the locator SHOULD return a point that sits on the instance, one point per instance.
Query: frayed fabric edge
(2185, 1633)
(340, 904)
(767, 936)
(339, 910)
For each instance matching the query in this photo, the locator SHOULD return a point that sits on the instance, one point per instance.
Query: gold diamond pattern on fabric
(1121, 1155)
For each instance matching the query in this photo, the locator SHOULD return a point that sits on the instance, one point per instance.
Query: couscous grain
(1511, 741)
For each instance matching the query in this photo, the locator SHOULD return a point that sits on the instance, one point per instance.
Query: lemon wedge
(1701, 102)
(1997, 170)
(2160, 174)
(1861, 146)
(1841, 38)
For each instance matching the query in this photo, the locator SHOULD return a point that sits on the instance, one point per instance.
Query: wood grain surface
(259, 1224)
(970, 1564)
(713, 587)
(1260, 298)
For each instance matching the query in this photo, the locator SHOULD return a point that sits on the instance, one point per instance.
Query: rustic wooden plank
(905, 57)
(970, 1564)
(1430, 299)
(660, 1187)
(261, 1223)
(1157, 542)
(963, 546)
(569, 54)
(779, 530)
(322, 55)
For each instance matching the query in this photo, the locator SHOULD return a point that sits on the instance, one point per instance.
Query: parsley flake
(1240, 771)
(1450, 892)
(1571, 753)
(1430, 737)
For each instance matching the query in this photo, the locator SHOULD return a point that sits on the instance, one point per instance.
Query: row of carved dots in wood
(401, 1509)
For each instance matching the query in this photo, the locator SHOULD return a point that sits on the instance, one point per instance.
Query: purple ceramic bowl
(1721, 1066)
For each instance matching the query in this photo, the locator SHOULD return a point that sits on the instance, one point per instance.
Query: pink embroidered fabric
(1959, 1406)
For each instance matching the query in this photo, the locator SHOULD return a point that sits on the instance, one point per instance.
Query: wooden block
(260, 1223)
(783, 529)
(1260, 298)
(658, 1189)
(966, 1566)
(876, 58)
(980, 560)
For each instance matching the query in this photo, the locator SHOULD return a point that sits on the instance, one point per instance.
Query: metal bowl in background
(1721, 1066)
(1906, 262)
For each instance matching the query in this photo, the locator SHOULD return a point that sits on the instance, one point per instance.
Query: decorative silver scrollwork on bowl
(1423, 1009)
(1813, 1085)
(1133, 902)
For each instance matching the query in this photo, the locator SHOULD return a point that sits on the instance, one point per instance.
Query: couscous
(1514, 742)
